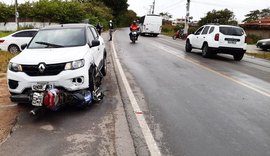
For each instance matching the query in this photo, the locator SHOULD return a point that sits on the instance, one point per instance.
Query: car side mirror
(95, 43)
(23, 46)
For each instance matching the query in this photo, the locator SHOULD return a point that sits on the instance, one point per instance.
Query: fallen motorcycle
(48, 97)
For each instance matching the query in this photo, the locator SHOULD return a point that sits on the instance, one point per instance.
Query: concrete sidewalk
(251, 48)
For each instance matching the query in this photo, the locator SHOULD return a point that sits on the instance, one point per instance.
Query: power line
(240, 6)
(173, 6)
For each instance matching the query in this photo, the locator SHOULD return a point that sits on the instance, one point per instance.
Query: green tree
(252, 16)
(118, 6)
(6, 12)
(165, 15)
(222, 17)
(257, 14)
(26, 10)
(127, 18)
(265, 13)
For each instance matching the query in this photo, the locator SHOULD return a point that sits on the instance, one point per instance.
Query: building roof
(260, 22)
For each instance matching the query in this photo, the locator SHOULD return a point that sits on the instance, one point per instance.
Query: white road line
(150, 141)
(246, 84)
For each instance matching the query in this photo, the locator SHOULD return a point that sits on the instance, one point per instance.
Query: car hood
(50, 55)
(264, 40)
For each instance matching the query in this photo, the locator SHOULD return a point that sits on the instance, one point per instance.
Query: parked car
(213, 39)
(13, 42)
(263, 44)
(71, 57)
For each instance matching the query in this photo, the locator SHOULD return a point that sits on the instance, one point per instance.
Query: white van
(150, 24)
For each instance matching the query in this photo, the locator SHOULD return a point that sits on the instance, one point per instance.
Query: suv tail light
(245, 39)
(217, 37)
(1, 41)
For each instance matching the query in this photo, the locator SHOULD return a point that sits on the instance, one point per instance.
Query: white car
(213, 39)
(71, 57)
(13, 42)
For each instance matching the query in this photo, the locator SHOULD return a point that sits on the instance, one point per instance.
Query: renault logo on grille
(41, 67)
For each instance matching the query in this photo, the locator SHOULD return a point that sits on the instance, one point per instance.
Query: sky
(198, 8)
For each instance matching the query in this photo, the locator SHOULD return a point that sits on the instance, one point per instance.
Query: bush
(168, 29)
(3, 34)
(252, 39)
(4, 59)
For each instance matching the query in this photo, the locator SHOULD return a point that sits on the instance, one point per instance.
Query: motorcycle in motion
(134, 36)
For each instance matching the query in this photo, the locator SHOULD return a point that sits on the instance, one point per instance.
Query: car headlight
(74, 64)
(14, 67)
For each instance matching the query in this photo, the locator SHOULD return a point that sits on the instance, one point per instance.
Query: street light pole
(16, 14)
(187, 18)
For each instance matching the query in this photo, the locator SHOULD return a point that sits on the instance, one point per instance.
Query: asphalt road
(196, 106)
(193, 107)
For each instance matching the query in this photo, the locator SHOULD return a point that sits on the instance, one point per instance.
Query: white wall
(11, 26)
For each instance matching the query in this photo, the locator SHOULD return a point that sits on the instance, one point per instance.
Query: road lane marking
(150, 141)
(245, 84)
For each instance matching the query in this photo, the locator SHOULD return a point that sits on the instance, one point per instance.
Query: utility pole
(16, 14)
(153, 11)
(187, 18)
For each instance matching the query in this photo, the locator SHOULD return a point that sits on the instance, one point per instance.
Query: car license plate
(37, 99)
(39, 86)
(232, 42)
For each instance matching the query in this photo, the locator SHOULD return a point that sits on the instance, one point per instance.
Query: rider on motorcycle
(134, 27)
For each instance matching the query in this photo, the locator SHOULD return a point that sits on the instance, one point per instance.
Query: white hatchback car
(213, 39)
(13, 42)
(71, 57)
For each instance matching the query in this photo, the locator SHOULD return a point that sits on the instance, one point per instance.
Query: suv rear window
(231, 31)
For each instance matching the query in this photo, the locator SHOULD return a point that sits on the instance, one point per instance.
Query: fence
(11, 26)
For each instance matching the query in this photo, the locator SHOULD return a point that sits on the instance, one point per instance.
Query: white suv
(213, 39)
(70, 56)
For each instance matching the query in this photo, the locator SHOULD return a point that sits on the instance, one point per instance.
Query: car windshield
(231, 31)
(56, 38)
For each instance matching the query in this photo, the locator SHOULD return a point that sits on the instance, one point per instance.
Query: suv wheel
(238, 56)
(188, 46)
(206, 51)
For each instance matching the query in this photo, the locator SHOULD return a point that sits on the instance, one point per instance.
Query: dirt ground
(8, 111)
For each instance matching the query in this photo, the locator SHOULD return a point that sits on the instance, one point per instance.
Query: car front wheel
(188, 46)
(104, 67)
(92, 79)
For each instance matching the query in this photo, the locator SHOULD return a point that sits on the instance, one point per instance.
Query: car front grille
(50, 69)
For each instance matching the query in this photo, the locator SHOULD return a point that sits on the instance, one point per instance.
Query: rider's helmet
(134, 22)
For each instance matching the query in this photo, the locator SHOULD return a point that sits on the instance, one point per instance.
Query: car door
(196, 39)
(22, 37)
(100, 47)
(203, 36)
(93, 50)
